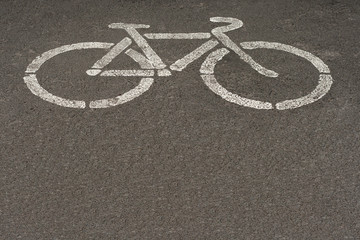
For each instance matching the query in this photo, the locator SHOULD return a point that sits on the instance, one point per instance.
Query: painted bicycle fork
(151, 61)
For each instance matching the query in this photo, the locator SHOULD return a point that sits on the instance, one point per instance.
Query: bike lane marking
(208, 65)
(146, 48)
(153, 61)
(325, 80)
(33, 84)
(321, 89)
(107, 58)
(177, 35)
(211, 82)
(219, 32)
(40, 60)
(128, 73)
(142, 87)
(138, 57)
(181, 64)
(207, 74)
(36, 89)
(317, 62)
(324, 83)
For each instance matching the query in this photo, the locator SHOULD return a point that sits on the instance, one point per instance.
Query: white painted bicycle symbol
(151, 64)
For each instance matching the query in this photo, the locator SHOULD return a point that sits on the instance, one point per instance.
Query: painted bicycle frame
(151, 64)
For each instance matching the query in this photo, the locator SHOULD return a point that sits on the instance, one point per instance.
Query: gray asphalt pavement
(179, 162)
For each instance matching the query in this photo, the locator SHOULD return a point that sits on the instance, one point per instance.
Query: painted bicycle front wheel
(322, 88)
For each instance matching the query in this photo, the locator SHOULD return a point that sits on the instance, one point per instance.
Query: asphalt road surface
(180, 162)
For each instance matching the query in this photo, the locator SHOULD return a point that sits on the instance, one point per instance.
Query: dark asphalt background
(179, 162)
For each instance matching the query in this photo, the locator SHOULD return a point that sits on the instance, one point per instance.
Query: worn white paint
(163, 73)
(127, 73)
(180, 64)
(219, 33)
(317, 62)
(208, 65)
(114, 52)
(40, 60)
(127, 25)
(177, 35)
(324, 85)
(139, 58)
(143, 86)
(207, 70)
(149, 61)
(93, 72)
(325, 80)
(234, 24)
(145, 47)
(34, 86)
(214, 86)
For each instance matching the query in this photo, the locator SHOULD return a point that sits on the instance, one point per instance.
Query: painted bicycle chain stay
(151, 65)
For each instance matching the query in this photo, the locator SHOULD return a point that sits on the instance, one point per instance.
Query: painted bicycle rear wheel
(33, 84)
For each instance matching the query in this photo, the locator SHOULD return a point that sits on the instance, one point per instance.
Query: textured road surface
(179, 162)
